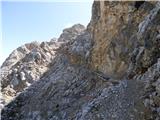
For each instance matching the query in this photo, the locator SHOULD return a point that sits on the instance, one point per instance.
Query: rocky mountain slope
(28, 63)
(108, 71)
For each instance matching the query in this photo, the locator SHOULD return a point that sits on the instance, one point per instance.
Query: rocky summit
(107, 71)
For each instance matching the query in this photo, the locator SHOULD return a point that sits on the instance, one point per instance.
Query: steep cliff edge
(110, 69)
(117, 29)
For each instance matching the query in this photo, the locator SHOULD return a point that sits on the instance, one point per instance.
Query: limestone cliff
(109, 71)
(118, 28)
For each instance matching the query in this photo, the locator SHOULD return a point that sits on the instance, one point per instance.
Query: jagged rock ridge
(110, 69)
(29, 62)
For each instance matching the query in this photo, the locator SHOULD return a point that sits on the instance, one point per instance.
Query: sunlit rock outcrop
(108, 71)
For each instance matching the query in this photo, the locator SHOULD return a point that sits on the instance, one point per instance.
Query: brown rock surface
(114, 28)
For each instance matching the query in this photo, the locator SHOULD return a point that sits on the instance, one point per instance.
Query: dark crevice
(138, 4)
(57, 106)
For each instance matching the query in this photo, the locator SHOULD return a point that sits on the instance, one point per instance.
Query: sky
(27, 21)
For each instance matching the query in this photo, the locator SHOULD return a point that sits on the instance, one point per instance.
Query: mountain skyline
(24, 22)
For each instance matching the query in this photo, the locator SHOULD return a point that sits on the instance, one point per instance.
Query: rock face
(28, 63)
(118, 28)
(70, 34)
(110, 69)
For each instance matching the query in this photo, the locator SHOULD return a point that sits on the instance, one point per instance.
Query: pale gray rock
(28, 63)
(70, 34)
(109, 71)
